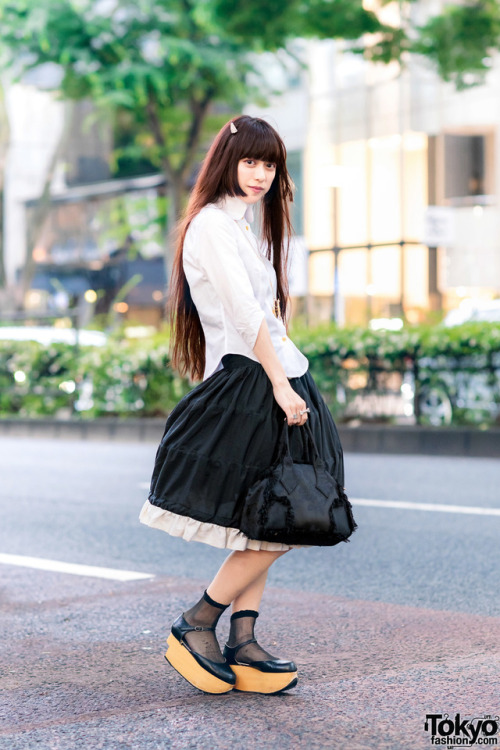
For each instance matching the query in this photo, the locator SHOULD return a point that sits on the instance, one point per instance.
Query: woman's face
(255, 177)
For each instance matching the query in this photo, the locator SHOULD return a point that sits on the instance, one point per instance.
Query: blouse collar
(236, 207)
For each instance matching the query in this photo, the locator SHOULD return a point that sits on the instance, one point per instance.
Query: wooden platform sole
(186, 665)
(251, 680)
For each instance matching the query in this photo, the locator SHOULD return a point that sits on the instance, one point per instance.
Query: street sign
(438, 226)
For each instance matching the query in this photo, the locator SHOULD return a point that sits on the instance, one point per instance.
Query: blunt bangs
(257, 140)
(254, 139)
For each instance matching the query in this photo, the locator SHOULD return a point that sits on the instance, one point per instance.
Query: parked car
(487, 312)
(465, 388)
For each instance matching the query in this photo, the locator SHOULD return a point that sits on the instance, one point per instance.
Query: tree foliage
(164, 65)
(461, 41)
(153, 58)
(284, 20)
(172, 68)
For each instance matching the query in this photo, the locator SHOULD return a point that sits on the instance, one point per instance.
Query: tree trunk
(4, 144)
(176, 195)
(3, 279)
(176, 178)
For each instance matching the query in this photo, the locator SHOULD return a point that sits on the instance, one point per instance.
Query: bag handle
(323, 483)
(284, 446)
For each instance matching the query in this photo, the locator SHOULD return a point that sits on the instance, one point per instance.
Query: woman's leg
(238, 573)
(241, 580)
(251, 597)
(255, 668)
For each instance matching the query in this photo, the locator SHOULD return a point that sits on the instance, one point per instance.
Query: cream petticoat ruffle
(199, 531)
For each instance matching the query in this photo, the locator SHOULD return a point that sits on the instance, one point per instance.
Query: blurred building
(383, 146)
(401, 175)
(90, 232)
(289, 114)
(397, 187)
(80, 249)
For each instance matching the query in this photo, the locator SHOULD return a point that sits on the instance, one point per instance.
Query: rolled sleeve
(218, 257)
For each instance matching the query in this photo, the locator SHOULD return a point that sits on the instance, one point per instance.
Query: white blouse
(233, 286)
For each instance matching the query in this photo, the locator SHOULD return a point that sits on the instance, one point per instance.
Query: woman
(229, 301)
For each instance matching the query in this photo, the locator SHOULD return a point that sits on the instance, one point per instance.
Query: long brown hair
(218, 177)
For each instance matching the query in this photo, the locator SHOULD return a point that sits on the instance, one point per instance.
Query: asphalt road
(79, 502)
(403, 620)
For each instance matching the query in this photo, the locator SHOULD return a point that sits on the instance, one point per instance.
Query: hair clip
(233, 127)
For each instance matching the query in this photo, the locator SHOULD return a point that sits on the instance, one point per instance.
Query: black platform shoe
(204, 674)
(269, 676)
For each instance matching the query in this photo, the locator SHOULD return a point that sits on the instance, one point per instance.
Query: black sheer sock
(242, 629)
(205, 613)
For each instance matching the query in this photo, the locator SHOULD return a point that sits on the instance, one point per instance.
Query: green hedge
(133, 377)
(122, 379)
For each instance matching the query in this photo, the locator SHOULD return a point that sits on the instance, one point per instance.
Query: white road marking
(74, 569)
(403, 505)
(467, 509)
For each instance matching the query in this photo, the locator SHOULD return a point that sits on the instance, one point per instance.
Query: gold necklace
(276, 307)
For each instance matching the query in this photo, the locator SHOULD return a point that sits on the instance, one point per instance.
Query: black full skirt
(223, 436)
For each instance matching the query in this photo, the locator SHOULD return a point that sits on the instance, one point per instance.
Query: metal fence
(438, 390)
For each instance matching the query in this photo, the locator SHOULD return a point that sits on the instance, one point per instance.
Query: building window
(464, 165)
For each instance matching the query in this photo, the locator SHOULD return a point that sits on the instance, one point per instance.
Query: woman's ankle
(206, 612)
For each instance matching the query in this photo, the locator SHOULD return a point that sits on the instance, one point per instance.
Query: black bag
(298, 503)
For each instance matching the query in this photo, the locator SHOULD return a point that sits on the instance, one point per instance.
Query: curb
(122, 430)
(434, 441)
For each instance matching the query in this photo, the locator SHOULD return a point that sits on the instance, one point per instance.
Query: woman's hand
(287, 398)
(291, 403)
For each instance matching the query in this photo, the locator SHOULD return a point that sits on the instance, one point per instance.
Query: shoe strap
(197, 628)
(187, 628)
(191, 629)
(245, 643)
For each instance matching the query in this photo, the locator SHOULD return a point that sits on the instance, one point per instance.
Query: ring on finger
(307, 409)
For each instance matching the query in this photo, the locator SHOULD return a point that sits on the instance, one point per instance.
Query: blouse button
(283, 338)
(246, 228)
